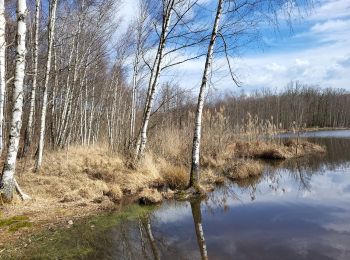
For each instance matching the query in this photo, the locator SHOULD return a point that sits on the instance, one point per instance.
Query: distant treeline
(263, 112)
(305, 105)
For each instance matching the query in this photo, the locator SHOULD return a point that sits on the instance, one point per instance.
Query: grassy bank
(82, 181)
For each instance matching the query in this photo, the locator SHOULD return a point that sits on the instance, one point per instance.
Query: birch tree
(8, 181)
(170, 8)
(51, 31)
(136, 68)
(239, 28)
(2, 71)
(194, 176)
(29, 130)
(142, 30)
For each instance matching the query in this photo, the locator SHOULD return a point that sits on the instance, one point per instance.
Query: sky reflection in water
(298, 210)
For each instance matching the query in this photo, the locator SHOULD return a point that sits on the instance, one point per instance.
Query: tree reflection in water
(197, 218)
(146, 223)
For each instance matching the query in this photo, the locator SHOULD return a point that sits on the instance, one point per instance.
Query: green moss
(81, 239)
(18, 225)
(15, 223)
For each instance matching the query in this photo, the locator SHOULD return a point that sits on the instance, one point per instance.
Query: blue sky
(316, 52)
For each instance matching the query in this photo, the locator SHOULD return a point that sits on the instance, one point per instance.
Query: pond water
(299, 209)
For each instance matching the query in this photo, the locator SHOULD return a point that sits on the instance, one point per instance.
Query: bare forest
(87, 116)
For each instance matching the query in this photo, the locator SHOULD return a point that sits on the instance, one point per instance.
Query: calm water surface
(299, 209)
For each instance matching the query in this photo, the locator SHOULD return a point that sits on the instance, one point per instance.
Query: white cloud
(329, 9)
(331, 26)
(128, 10)
(326, 66)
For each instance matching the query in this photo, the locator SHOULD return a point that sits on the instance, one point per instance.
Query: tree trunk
(153, 83)
(195, 171)
(133, 101)
(47, 77)
(8, 181)
(2, 71)
(29, 130)
(63, 113)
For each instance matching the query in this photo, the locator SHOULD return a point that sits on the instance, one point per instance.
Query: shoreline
(314, 129)
(109, 185)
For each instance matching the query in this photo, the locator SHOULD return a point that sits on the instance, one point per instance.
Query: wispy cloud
(318, 54)
(330, 9)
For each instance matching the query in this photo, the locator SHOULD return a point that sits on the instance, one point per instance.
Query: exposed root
(20, 192)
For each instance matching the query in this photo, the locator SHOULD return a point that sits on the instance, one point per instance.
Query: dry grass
(215, 161)
(78, 181)
(174, 145)
(176, 177)
(209, 177)
(80, 176)
(150, 196)
(269, 150)
(114, 193)
(82, 180)
(242, 169)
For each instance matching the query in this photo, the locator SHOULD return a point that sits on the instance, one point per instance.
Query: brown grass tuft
(114, 193)
(269, 150)
(176, 177)
(242, 169)
(150, 196)
(209, 161)
(209, 177)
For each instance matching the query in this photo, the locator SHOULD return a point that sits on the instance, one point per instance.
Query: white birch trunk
(153, 83)
(133, 102)
(47, 77)
(53, 98)
(194, 177)
(62, 120)
(85, 113)
(92, 111)
(2, 71)
(29, 129)
(8, 181)
(68, 113)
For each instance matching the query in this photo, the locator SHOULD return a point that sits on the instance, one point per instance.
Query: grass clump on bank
(176, 177)
(243, 169)
(272, 151)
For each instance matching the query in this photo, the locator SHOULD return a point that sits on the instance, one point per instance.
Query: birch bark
(133, 101)
(195, 171)
(8, 182)
(168, 10)
(2, 70)
(47, 77)
(29, 130)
